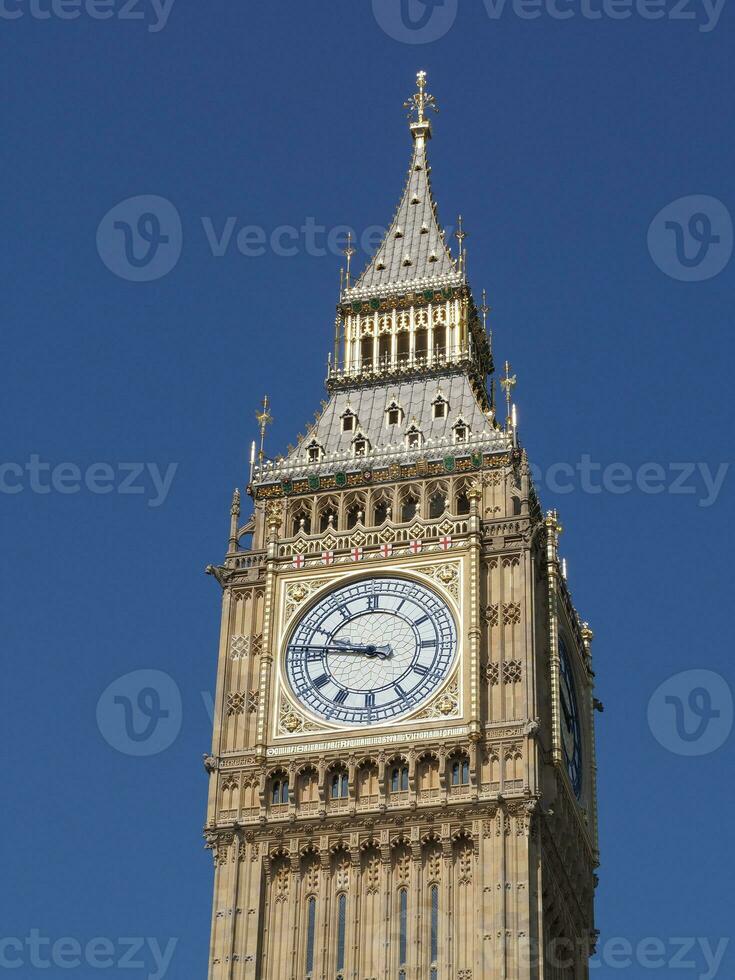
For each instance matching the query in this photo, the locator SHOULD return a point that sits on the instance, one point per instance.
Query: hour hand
(368, 649)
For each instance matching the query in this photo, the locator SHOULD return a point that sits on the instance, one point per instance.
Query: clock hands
(347, 646)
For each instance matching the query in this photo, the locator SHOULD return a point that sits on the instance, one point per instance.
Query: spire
(414, 248)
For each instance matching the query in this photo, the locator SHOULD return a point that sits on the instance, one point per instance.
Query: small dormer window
(461, 431)
(314, 452)
(441, 406)
(360, 445)
(393, 414)
(414, 438)
(348, 421)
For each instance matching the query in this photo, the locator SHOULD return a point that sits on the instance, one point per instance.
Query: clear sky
(560, 139)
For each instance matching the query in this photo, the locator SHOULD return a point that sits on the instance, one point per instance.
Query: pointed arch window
(341, 928)
(399, 779)
(279, 791)
(402, 929)
(380, 513)
(409, 509)
(355, 514)
(302, 522)
(433, 928)
(463, 503)
(461, 771)
(310, 935)
(340, 786)
(437, 504)
(328, 519)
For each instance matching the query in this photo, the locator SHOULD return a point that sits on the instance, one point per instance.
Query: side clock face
(371, 651)
(570, 728)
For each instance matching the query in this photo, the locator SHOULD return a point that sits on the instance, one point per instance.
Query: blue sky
(560, 141)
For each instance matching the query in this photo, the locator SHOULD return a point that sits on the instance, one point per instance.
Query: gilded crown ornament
(420, 101)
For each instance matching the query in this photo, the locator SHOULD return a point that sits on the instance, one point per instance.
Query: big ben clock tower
(402, 776)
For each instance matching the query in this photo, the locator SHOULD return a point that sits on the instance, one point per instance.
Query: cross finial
(348, 251)
(421, 100)
(460, 234)
(264, 419)
(507, 383)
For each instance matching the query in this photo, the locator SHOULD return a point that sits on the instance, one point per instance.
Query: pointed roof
(414, 247)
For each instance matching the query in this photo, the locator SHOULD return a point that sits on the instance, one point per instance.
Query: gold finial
(507, 384)
(460, 234)
(485, 309)
(264, 419)
(420, 101)
(348, 251)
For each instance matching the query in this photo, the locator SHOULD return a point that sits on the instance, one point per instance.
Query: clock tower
(402, 775)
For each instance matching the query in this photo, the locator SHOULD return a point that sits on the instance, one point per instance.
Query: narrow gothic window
(460, 772)
(394, 414)
(360, 446)
(279, 793)
(399, 779)
(348, 422)
(366, 353)
(440, 409)
(409, 509)
(463, 503)
(402, 928)
(302, 522)
(354, 514)
(434, 928)
(341, 925)
(310, 935)
(324, 522)
(340, 785)
(314, 452)
(436, 504)
(460, 433)
(380, 513)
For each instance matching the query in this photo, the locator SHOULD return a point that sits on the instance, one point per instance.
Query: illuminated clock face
(570, 729)
(371, 651)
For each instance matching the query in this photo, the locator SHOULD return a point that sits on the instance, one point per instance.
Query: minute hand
(365, 650)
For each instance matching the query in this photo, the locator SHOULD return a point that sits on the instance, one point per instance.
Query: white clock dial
(371, 651)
